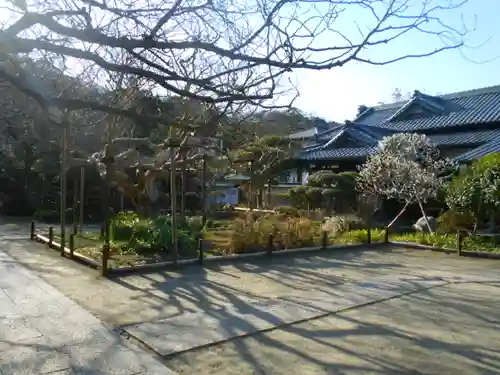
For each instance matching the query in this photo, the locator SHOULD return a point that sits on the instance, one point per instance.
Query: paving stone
(32, 300)
(8, 275)
(103, 357)
(16, 329)
(42, 331)
(187, 331)
(62, 332)
(7, 306)
(32, 358)
(193, 330)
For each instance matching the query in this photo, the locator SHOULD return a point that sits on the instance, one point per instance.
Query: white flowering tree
(408, 168)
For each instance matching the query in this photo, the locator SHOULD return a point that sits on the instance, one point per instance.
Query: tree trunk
(398, 215)
(477, 215)
(476, 223)
(64, 160)
(204, 191)
(251, 188)
(75, 205)
(424, 215)
(182, 214)
(82, 198)
(269, 197)
(173, 204)
(491, 224)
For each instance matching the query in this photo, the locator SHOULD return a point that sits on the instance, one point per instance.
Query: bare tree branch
(220, 51)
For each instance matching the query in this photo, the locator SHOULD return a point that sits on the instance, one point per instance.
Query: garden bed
(473, 246)
(134, 239)
(76, 255)
(89, 244)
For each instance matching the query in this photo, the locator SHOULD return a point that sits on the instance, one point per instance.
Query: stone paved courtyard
(44, 332)
(390, 311)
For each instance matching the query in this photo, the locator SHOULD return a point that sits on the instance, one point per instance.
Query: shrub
(328, 190)
(251, 233)
(136, 234)
(359, 236)
(452, 221)
(477, 188)
(337, 225)
(430, 239)
(448, 241)
(299, 197)
(123, 225)
(287, 211)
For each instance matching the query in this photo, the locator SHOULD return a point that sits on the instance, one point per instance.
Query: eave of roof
(465, 138)
(338, 154)
(479, 152)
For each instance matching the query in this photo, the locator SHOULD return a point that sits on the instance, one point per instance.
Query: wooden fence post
(324, 239)
(386, 235)
(106, 247)
(459, 242)
(32, 230)
(104, 259)
(51, 236)
(71, 244)
(63, 243)
(200, 249)
(368, 235)
(270, 244)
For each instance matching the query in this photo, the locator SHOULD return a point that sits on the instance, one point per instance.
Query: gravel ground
(448, 330)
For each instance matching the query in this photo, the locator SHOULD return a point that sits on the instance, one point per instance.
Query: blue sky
(336, 94)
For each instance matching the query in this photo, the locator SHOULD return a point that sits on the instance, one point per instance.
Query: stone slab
(31, 357)
(17, 328)
(42, 331)
(188, 331)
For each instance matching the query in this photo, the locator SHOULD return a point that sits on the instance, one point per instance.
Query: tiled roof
(465, 138)
(339, 153)
(328, 149)
(419, 114)
(359, 134)
(463, 108)
(479, 152)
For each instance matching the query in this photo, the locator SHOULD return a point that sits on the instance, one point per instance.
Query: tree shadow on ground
(242, 283)
(97, 356)
(249, 285)
(413, 335)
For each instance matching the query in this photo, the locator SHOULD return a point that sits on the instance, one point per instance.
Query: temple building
(464, 125)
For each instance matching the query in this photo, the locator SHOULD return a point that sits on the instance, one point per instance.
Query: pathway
(42, 331)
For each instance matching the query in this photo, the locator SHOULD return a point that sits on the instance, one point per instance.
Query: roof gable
(419, 106)
(349, 136)
(424, 112)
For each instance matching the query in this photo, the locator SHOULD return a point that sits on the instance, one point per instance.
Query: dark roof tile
(479, 152)
(468, 107)
(465, 138)
(458, 109)
(339, 153)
